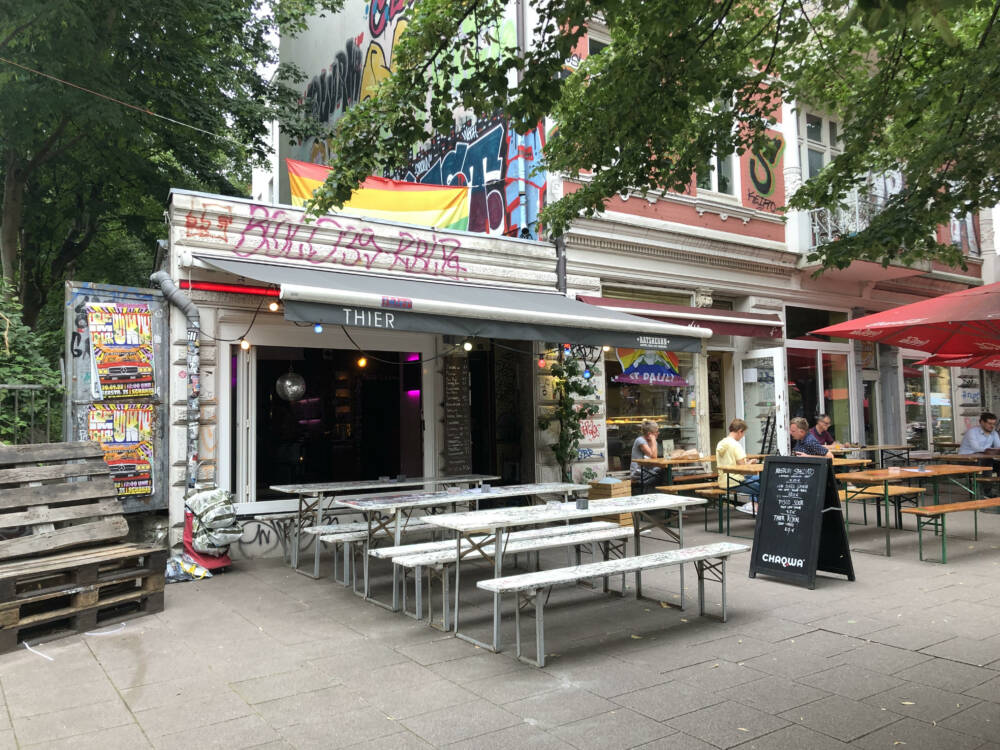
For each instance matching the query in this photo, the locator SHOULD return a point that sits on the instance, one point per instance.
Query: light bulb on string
(541, 362)
(587, 374)
(318, 328)
(605, 348)
(244, 344)
(362, 362)
(273, 306)
(467, 346)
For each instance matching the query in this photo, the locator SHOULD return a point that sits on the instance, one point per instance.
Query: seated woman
(645, 446)
(729, 452)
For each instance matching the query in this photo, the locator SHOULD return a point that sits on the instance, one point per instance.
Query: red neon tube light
(211, 286)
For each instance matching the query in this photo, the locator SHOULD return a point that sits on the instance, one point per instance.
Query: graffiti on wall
(484, 154)
(763, 167)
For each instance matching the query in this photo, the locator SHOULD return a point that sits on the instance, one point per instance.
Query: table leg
(368, 544)
(458, 569)
(397, 536)
(680, 544)
(316, 543)
(637, 535)
(298, 527)
(499, 544)
(885, 500)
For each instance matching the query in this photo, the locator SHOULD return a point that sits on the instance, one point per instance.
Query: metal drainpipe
(176, 297)
(560, 243)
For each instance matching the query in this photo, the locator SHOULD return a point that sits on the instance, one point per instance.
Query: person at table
(821, 430)
(983, 438)
(645, 446)
(729, 452)
(803, 443)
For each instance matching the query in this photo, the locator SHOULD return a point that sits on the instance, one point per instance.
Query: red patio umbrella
(958, 323)
(975, 361)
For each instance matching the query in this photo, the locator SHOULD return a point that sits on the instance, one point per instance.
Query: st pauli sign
(649, 367)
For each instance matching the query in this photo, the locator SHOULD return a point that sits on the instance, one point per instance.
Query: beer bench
(601, 535)
(934, 516)
(532, 588)
(896, 493)
(349, 534)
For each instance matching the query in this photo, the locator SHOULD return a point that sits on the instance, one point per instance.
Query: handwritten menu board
(457, 433)
(800, 528)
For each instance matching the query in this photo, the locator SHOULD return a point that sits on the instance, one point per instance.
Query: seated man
(729, 452)
(804, 444)
(983, 438)
(821, 430)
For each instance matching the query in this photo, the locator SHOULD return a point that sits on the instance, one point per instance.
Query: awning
(471, 310)
(721, 322)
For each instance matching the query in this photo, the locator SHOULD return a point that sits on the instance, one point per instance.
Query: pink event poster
(121, 343)
(125, 432)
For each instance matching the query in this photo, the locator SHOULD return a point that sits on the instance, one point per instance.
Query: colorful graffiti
(483, 153)
(497, 164)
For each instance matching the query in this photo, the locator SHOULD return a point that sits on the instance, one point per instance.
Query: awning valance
(423, 306)
(721, 322)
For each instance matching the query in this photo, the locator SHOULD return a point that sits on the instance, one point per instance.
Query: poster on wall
(125, 432)
(121, 341)
(649, 367)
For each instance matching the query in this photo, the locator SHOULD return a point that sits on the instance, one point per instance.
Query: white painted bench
(437, 562)
(349, 534)
(708, 559)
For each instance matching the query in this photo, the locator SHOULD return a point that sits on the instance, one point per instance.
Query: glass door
(244, 449)
(762, 399)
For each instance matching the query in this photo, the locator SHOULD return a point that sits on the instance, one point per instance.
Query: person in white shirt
(729, 452)
(983, 438)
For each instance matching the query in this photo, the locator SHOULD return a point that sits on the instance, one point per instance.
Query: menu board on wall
(800, 527)
(125, 432)
(457, 415)
(121, 339)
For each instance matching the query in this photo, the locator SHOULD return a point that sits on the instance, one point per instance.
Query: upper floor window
(821, 143)
(717, 175)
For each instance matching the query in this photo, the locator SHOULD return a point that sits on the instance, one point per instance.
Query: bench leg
(535, 598)
(699, 567)
(418, 586)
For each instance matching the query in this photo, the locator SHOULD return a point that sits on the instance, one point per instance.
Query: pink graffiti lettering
(275, 234)
(589, 429)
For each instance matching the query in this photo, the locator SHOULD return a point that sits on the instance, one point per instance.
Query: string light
(541, 362)
(318, 328)
(587, 374)
(605, 348)
(244, 344)
(362, 362)
(467, 346)
(274, 307)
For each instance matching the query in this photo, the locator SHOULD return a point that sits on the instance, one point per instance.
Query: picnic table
(933, 473)
(311, 499)
(477, 529)
(885, 452)
(395, 510)
(669, 464)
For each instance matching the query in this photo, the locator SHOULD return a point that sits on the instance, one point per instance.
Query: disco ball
(291, 386)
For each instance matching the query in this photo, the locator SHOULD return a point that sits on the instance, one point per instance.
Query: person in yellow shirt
(729, 452)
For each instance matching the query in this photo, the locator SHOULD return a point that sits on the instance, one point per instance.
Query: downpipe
(180, 300)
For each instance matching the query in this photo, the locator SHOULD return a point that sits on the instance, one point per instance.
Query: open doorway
(353, 420)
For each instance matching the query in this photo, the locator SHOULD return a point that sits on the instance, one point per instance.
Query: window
(821, 143)
(717, 175)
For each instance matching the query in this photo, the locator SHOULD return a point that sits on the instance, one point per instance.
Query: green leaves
(571, 390)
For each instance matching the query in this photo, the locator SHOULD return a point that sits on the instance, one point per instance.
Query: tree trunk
(13, 213)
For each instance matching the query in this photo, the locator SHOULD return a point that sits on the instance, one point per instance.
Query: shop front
(346, 348)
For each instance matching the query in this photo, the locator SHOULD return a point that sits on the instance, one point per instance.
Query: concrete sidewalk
(908, 656)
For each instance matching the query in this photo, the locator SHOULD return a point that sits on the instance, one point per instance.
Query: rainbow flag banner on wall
(440, 206)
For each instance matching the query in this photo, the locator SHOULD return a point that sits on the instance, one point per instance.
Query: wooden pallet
(74, 592)
(55, 496)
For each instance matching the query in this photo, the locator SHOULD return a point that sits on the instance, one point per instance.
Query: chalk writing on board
(791, 492)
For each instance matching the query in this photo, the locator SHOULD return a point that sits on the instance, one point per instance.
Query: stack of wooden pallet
(63, 566)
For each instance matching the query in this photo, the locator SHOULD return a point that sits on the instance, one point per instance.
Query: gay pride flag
(440, 206)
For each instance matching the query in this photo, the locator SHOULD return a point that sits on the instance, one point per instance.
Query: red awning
(721, 322)
(966, 322)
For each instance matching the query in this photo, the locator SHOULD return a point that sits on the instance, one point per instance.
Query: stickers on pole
(125, 433)
(121, 342)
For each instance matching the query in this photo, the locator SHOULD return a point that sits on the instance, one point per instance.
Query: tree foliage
(79, 169)
(915, 84)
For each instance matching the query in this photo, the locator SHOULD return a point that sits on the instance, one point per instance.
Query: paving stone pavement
(906, 657)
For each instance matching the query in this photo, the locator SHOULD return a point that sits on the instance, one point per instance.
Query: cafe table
(387, 515)
(885, 452)
(668, 464)
(316, 498)
(933, 473)
(477, 530)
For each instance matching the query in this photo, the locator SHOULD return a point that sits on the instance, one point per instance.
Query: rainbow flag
(440, 206)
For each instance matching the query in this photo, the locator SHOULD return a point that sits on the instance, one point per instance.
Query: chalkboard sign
(800, 525)
(457, 433)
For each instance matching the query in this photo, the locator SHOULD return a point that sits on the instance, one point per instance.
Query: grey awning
(424, 306)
